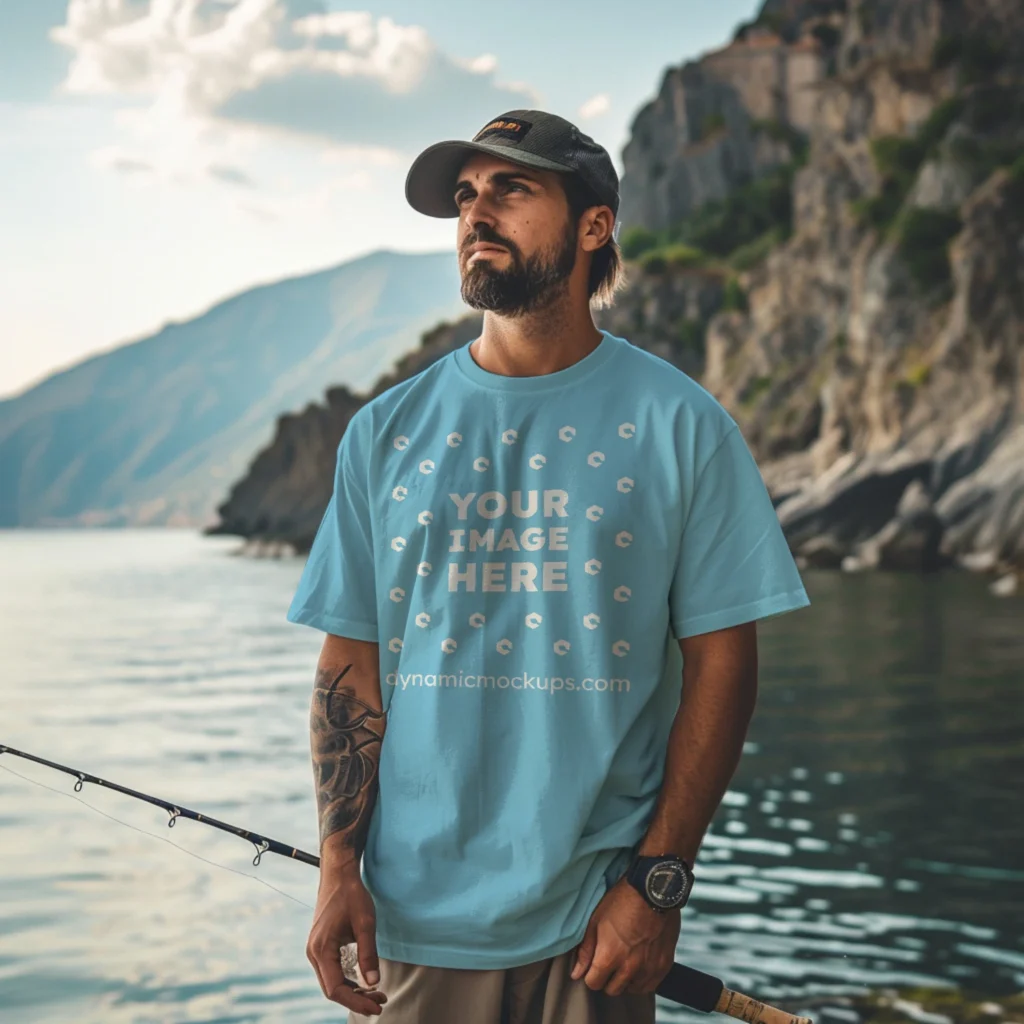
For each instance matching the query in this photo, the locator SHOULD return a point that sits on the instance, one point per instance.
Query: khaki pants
(538, 993)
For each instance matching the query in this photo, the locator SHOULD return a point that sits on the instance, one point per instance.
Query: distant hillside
(154, 431)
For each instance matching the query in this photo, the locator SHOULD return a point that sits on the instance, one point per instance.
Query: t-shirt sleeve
(337, 589)
(734, 562)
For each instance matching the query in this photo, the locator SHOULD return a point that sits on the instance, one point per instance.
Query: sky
(158, 156)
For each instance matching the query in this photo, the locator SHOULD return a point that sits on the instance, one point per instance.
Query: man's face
(517, 243)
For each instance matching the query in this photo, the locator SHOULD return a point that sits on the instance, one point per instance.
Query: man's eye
(460, 197)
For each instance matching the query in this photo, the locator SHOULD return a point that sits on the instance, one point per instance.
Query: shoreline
(938, 1005)
(1007, 580)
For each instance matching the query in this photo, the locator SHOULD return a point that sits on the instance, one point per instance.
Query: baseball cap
(533, 138)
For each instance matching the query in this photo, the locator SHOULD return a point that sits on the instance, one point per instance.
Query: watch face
(668, 884)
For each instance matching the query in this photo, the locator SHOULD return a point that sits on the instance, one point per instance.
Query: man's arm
(346, 726)
(627, 947)
(706, 740)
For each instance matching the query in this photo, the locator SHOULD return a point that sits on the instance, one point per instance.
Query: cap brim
(430, 183)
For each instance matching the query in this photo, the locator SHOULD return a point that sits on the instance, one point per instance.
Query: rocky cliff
(877, 369)
(711, 128)
(825, 225)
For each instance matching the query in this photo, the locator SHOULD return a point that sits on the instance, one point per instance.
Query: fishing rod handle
(735, 1004)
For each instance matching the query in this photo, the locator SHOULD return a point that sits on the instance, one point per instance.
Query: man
(540, 573)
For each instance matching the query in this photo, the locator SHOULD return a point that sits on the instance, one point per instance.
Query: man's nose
(480, 210)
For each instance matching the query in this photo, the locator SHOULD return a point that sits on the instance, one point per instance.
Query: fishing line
(163, 839)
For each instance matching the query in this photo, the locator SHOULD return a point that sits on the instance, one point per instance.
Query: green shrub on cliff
(747, 256)
(675, 254)
(923, 236)
(691, 334)
(754, 390)
(918, 374)
(733, 296)
(945, 51)
(933, 129)
(994, 104)
(711, 124)
(684, 255)
(1015, 193)
(977, 54)
(636, 241)
(739, 229)
(879, 211)
(653, 262)
(828, 35)
(983, 156)
(720, 227)
(782, 132)
(898, 159)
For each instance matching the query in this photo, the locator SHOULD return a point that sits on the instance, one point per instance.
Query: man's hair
(606, 267)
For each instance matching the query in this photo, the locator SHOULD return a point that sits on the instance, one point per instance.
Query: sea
(873, 836)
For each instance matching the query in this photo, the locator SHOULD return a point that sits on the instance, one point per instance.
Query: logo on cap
(514, 130)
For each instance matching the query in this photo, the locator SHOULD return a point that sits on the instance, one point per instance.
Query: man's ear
(597, 225)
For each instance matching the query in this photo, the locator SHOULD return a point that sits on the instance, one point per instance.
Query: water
(872, 836)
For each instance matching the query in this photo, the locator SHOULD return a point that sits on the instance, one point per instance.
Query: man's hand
(345, 913)
(628, 946)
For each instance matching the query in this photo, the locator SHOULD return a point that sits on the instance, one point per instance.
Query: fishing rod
(682, 984)
(262, 843)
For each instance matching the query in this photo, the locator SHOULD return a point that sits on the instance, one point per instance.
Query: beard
(527, 284)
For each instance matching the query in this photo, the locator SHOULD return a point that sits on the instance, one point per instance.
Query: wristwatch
(664, 882)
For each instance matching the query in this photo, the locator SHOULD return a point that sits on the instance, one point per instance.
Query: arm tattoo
(345, 739)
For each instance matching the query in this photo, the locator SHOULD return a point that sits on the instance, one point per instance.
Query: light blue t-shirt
(526, 551)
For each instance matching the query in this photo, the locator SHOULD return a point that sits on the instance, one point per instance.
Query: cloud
(595, 106)
(127, 165)
(285, 65)
(183, 150)
(114, 158)
(231, 175)
(319, 205)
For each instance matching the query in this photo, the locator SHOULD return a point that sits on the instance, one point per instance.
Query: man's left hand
(628, 946)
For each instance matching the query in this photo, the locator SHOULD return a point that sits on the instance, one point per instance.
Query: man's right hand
(345, 913)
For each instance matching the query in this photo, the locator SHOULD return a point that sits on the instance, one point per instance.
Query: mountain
(152, 432)
(824, 225)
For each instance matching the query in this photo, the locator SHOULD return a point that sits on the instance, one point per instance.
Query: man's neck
(537, 343)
